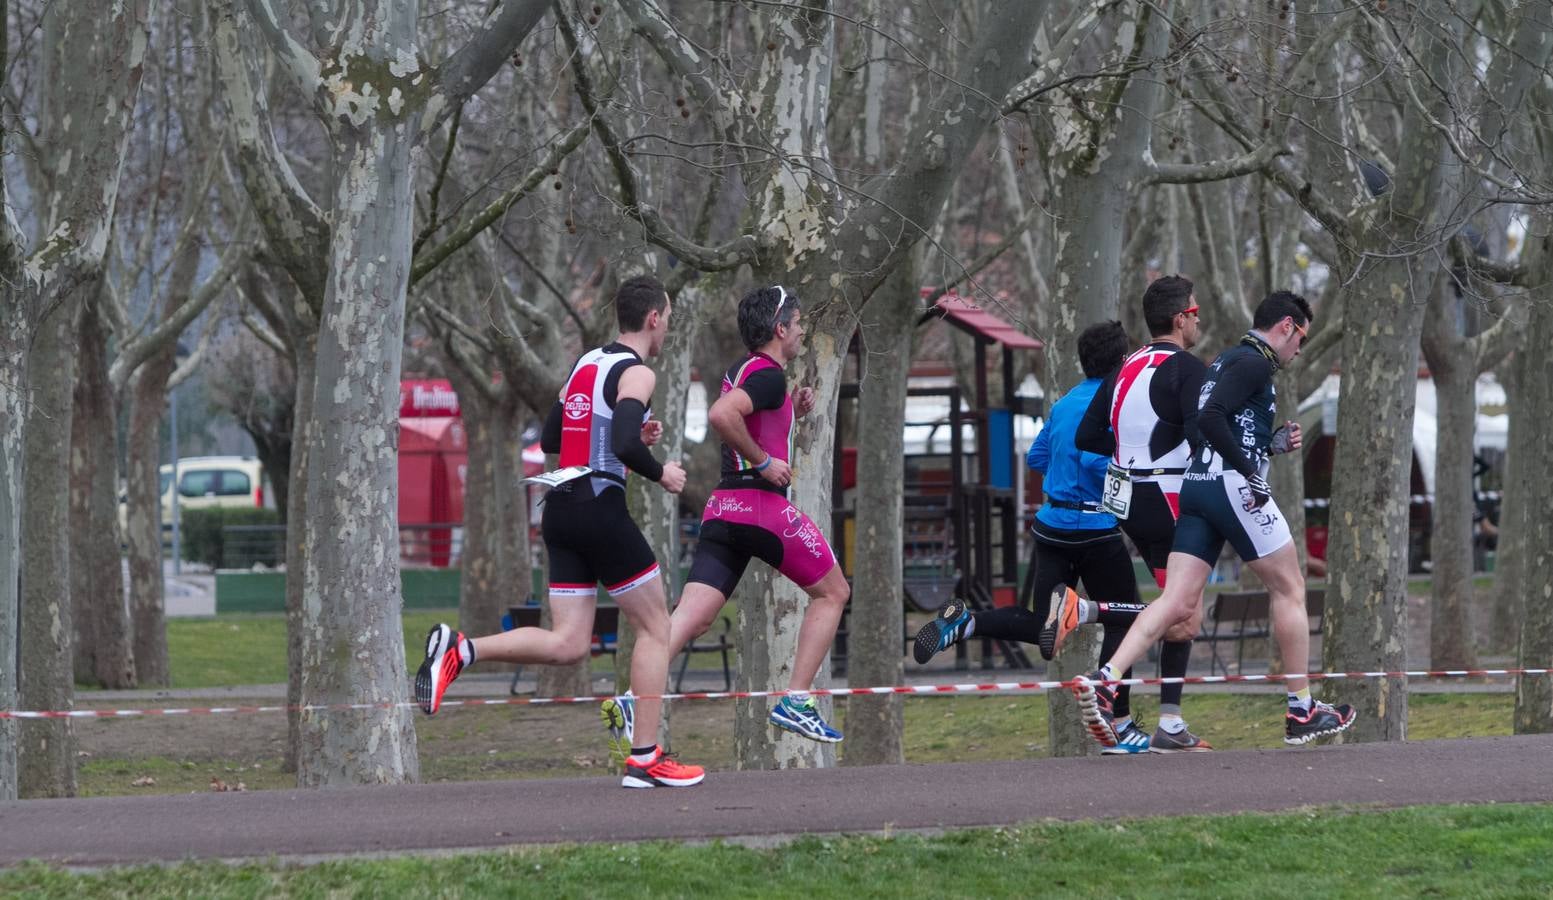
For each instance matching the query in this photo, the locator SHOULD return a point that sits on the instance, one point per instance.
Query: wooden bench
(1241, 615)
(606, 628)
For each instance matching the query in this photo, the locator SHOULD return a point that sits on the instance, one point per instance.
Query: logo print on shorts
(578, 406)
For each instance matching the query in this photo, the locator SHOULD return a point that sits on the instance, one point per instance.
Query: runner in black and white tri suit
(1225, 497)
(1140, 418)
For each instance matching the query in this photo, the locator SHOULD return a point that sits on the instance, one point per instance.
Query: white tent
(1492, 431)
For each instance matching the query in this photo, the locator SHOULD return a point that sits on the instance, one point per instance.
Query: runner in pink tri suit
(748, 516)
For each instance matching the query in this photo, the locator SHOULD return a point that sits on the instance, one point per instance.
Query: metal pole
(177, 553)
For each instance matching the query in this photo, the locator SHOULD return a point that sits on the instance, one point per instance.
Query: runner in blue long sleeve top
(1074, 540)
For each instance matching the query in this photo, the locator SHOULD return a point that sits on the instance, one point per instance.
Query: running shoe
(443, 662)
(619, 715)
(1129, 740)
(1095, 703)
(662, 771)
(803, 720)
(1182, 741)
(1323, 719)
(1060, 622)
(946, 630)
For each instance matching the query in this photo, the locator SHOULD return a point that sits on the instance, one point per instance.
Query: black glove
(1283, 441)
(1256, 494)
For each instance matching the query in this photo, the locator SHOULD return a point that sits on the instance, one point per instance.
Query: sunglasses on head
(782, 296)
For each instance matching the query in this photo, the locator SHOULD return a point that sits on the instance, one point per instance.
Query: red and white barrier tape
(915, 689)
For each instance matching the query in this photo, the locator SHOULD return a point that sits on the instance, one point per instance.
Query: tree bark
(876, 725)
(16, 329)
(143, 516)
(1450, 358)
(353, 644)
(103, 651)
(1524, 440)
(47, 747)
(1534, 403)
(1100, 165)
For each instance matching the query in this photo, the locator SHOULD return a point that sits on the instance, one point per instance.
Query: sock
(1110, 672)
(969, 628)
(1299, 701)
(799, 698)
(643, 754)
(1171, 723)
(1088, 611)
(466, 650)
(1120, 723)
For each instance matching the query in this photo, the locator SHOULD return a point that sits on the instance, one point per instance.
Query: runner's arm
(625, 429)
(1040, 455)
(1189, 377)
(727, 418)
(550, 437)
(1236, 382)
(1094, 429)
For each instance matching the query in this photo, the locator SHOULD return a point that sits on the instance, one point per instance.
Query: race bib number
(559, 476)
(1118, 491)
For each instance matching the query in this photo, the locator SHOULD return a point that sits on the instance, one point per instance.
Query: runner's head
(1102, 348)
(770, 314)
(1283, 320)
(642, 305)
(1170, 310)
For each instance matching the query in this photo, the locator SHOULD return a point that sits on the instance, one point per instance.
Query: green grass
(250, 648)
(1488, 851)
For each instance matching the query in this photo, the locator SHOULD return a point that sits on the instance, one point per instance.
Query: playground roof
(974, 320)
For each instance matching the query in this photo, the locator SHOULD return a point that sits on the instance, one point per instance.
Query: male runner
(1225, 496)
(600, 425)
(1074, 539)
(748, 516)
(1140, 418)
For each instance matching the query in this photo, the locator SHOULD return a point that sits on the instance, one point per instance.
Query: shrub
(205, 541)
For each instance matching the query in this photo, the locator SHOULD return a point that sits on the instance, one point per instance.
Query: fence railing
(436, 545)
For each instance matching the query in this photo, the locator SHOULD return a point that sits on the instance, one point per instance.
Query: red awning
(959, 312)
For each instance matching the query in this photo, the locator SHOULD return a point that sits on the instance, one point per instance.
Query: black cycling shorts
(594, 542)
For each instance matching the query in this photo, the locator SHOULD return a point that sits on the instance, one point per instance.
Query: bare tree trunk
(147, 395)
(351, 599)
(103, 653)
(1509, 596)
(47, 747)
(1451, 641)
(304, 348)
(1534, 403)
(1091, 199)
(15, 337)
(876, 725)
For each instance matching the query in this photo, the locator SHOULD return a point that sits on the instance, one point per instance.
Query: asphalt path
(745, 805)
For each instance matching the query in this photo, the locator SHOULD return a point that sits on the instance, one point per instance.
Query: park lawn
(1479, 851)
(480, 743)
(250, 648)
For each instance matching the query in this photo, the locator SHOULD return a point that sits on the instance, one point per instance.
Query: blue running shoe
(948, 628)
(803, 720)
(619, 715)
(1130, 739)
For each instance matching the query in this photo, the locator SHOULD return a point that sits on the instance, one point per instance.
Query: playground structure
(963, 504)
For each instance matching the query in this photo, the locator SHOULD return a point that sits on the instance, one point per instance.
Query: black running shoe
(1096, 703)
(946, 630)
(1323, 719)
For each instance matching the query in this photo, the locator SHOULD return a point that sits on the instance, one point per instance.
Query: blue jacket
(1071, 475)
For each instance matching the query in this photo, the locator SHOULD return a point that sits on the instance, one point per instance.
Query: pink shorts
(740, 525)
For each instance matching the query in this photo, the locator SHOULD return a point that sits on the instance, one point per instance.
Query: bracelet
(762, 466)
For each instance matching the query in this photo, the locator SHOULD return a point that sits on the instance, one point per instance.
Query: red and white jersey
(1144, 441)
(588, 411)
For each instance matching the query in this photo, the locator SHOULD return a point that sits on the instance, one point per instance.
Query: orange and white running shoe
(663, 770)
(1060, 622)
(444, 660)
